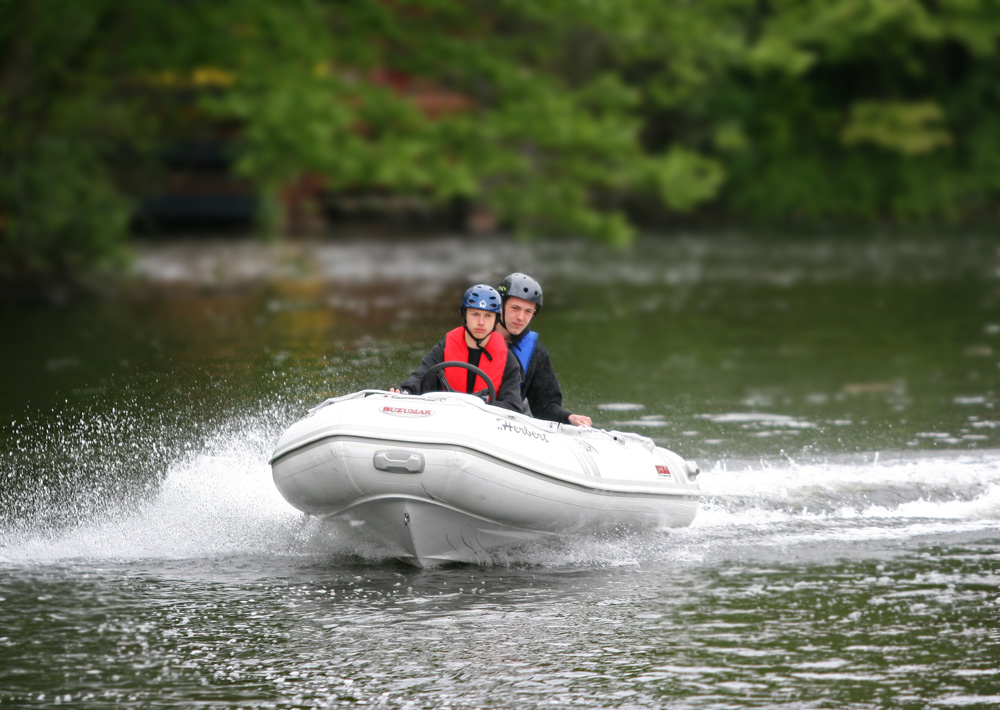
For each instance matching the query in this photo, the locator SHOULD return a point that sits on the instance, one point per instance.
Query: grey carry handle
(398, 461)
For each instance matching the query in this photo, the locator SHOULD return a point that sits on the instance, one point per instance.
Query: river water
(839, 394)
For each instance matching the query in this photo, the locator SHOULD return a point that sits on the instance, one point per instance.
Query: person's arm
(544, 394)
(509, 394)
(411, 385)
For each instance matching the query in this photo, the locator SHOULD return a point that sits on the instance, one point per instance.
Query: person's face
(480, 322)
(517, 314)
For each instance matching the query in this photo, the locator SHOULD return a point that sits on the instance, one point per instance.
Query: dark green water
(840, 395)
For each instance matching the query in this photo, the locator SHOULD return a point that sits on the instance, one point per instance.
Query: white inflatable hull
(445, 478)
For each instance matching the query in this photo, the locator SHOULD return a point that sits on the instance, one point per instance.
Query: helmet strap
(479, 342)
(515, 339)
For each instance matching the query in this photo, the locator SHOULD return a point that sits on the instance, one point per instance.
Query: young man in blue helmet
(477, 343)
(522, 300)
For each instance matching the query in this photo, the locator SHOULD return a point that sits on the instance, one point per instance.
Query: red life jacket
(455, 348)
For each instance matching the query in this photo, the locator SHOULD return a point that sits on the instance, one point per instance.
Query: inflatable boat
(444, 477)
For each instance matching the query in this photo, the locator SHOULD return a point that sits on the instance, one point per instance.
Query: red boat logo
(663, 470)
(406, 411)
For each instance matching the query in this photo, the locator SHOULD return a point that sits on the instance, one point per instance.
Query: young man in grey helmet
(522, 300)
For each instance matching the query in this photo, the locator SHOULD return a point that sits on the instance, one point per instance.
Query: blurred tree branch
(567, 116)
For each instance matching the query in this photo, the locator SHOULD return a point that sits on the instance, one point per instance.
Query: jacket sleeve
(542, 390)
(509, 394)
(411, 385)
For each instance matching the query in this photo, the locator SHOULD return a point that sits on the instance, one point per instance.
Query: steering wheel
(490, 390)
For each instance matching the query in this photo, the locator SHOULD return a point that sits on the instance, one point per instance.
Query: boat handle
(398, 461)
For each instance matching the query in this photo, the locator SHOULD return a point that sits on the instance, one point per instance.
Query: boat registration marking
(406, 411)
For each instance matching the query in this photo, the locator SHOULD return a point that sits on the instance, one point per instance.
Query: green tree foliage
(864, 109)
(92, 89)
(578, 110)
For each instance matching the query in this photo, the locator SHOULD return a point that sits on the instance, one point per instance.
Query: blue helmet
(482, 297)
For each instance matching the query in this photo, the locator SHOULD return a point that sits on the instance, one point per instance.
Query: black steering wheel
(490, 390)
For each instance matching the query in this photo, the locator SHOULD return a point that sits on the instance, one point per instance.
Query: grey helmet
(521, 286)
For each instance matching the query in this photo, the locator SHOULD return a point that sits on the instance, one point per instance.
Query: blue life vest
(524, 349)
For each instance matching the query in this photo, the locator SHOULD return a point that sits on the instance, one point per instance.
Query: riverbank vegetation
(579, 117)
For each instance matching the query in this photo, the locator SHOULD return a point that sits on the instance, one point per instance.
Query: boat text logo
(406, 411)
(523, 430)
(662, 470)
